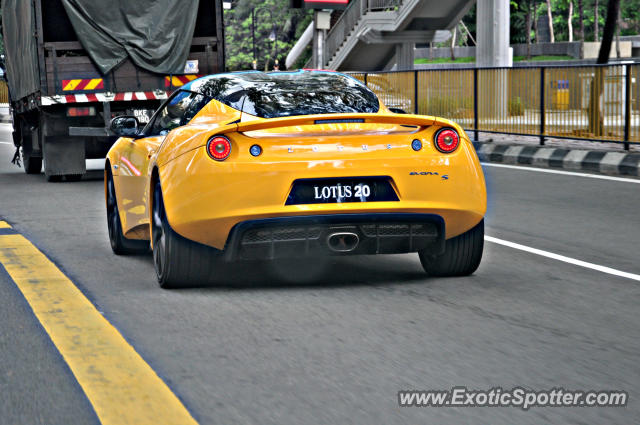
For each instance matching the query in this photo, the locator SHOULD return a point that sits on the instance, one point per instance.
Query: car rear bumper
(205, 200)
(303, 236)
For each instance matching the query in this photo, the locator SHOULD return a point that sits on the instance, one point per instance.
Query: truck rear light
(219, 148)
(88, 111)
(447, 140)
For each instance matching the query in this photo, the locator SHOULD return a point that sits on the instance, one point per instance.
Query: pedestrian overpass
(376, 34)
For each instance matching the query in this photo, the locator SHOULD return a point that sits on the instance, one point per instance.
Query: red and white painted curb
(103, 97)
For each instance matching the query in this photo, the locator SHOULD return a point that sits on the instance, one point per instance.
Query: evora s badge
(429, 173)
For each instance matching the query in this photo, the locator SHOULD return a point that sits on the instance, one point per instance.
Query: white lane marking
(569, 173)
(558, 257)
(7, 143)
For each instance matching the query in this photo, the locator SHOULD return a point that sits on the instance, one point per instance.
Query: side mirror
(125, 126)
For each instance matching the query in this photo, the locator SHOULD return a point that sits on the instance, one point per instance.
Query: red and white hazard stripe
(103, 97)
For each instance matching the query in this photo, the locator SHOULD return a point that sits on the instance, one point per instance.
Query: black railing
(595, 102)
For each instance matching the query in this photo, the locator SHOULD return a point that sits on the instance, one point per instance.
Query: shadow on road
(20, 177)
(321, 272)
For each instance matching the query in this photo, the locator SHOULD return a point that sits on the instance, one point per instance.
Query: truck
(73, 65)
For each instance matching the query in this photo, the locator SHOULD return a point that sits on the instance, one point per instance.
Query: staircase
(366, 35)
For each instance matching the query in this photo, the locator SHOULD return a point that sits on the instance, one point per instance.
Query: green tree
(518, 24)
(524, 15)
(560, 10)
(630, 12)
(469, 21)
(288, 25)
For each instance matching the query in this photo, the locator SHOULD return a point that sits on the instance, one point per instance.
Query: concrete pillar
(492, 32)
(321, 21)
(405, 56)
(318, 60)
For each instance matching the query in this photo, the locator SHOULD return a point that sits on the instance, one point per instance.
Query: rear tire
(461, 256)
(179, 262)
(119, 244)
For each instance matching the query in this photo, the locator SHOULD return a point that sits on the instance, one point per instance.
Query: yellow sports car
(260, 166)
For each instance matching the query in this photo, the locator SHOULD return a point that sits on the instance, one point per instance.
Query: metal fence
(599, 102)
(4, 92)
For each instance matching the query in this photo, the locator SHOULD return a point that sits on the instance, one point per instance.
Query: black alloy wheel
(179, 262)
(119, 244)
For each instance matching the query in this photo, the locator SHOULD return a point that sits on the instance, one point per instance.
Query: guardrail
(596, 102)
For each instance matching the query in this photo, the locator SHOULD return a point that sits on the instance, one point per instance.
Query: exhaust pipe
(342, 241)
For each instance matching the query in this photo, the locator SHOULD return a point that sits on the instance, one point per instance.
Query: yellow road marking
(4, 225)
(120, 385)
(72, 84)
(92, 84)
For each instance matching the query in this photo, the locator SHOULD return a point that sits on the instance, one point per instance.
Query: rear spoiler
(400, 119)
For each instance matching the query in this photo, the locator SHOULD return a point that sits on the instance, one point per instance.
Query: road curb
(614, 163)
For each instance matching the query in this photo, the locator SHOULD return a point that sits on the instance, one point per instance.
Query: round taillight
(219, 148)
(447, 140)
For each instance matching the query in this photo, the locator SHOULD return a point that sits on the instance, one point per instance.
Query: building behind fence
(600, 103)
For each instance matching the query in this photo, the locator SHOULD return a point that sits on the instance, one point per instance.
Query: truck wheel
(73, 177)
(32, 165)
(461, 256)
(51, 178)
(119, 244)
(179, 262)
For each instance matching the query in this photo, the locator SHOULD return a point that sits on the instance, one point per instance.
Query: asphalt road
(337, 347)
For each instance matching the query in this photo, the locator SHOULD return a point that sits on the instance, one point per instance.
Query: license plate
(340, 190)
(143, 115)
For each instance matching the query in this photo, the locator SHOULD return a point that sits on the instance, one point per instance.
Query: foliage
(270, 16)
(1, 36)
(517, 21)
(291, 23)
(630, 17)
(630, 12)
(470, 21)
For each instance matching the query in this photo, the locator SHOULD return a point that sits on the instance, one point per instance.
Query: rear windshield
(288, 94)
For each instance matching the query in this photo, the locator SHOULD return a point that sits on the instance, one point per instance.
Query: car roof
(243, 79)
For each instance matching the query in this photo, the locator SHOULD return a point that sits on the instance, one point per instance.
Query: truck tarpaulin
(155, 34)
(18, 17)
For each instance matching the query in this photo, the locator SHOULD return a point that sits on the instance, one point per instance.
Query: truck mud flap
(63, 156)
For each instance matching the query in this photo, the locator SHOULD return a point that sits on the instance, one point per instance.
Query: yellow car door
(137, 152)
